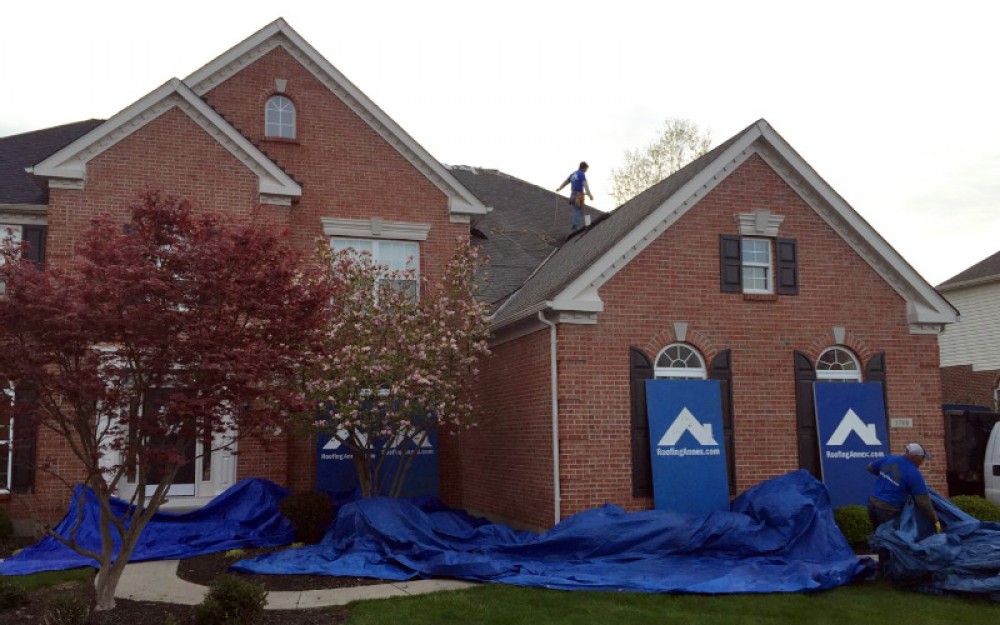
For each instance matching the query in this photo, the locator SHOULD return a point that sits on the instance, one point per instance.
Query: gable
(570, 280)
(67, 168)
(461, 203)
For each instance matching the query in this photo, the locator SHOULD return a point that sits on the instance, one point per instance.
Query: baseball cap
(916, 449)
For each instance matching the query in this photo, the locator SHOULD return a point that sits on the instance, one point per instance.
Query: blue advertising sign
(335, 468)
(687, 445)
(850, 420)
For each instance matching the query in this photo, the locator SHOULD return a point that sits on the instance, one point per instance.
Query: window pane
(755, 278)
(360, 245)
(279, 118)
(756, 251)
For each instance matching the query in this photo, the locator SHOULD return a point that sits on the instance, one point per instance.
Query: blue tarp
(779, 537)
(246, 515)
(964, 558)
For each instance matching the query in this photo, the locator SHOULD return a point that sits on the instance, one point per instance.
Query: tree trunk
(107, 580)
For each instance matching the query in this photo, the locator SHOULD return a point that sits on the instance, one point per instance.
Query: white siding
(975, 339)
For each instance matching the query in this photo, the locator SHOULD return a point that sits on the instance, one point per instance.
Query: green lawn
(864, 603)
(52, 578)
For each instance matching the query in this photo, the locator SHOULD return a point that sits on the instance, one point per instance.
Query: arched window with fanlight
(279, 118)
(837, 364)
(679, 361)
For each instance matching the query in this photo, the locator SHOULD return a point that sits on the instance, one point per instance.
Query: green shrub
(979, 507)
(235, 554)
(231, 601)
(67, 610)
(6, 526)
(854, 524)
(11, 595)
(311, 513)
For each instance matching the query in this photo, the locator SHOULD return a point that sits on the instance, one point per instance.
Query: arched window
(837, 364)
(679, 362)
(279, 118)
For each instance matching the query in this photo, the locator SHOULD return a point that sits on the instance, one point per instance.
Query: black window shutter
(721, 369)
(875, 372)
(730, 259)
(34, 236)
(788, 267)
(805, 415)
(25, 435)
(640, 370)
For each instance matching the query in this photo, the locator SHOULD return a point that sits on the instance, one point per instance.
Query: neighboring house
(744, 266)
(270, 122)
(970, 349)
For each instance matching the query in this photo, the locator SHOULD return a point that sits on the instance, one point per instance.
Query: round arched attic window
(279, 118)
(838, 364)
(679, 361)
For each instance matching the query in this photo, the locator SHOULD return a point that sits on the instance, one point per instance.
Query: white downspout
(556, 490)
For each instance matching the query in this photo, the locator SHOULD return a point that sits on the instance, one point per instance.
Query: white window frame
(674, 372)
(280, 117)
(378, 248)
(838, 375)
(768, 266)
(5, 488)
(16, 233)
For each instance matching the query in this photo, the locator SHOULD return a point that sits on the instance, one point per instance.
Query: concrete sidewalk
(158, 581)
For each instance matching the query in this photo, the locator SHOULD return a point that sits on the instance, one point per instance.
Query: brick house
(970, 349)
(270, 122)
(745, 267)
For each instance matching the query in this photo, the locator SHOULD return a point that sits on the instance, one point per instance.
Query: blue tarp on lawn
(965, 558)
(245, 515)
(779, 537)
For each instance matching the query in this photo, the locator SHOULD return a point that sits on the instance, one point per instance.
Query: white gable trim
(67, 168)
(582, 292)
(927, 310)
(279, 33)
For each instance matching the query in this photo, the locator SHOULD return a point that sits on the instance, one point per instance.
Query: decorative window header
(760, 223)
(374, 228)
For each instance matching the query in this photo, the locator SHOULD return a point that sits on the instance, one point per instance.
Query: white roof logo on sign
(686, 422)
(402, 437)
(853, 423)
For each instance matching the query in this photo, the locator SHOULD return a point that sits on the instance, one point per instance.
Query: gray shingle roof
(526, 224)
(585, 248)
(981, 271)
(29, 149)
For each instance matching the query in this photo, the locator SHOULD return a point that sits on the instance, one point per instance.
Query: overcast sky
(895, 104)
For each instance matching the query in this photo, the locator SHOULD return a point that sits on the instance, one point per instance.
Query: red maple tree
(174, 328)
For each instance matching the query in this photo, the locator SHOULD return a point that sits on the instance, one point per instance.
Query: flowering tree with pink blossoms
(395, 362)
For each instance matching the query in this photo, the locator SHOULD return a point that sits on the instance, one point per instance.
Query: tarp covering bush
(964, 558)
(245, 515)
(779, 537)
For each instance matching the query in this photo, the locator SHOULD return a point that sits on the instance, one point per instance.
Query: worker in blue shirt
(898, 478)
(578, 186)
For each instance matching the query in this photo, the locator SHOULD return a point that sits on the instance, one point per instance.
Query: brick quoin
(346, 170)
(676, 278)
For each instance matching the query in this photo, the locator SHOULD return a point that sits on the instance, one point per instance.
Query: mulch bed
(205, 569)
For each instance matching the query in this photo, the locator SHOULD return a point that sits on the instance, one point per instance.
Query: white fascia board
(934, 308)
(460, 199)
(585, 286)
(70, 163)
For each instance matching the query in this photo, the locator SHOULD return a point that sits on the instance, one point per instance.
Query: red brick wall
(345, 168)
(961, 385)
(676, 278)
(503, 466)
